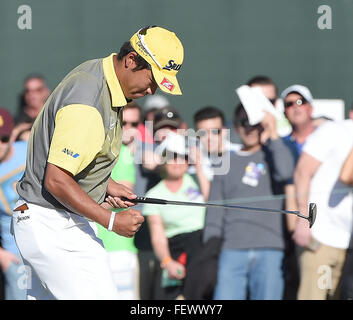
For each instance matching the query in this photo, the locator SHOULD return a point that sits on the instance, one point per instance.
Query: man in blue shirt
(298, 109)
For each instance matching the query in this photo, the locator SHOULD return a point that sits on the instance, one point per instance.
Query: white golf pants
(65, 259)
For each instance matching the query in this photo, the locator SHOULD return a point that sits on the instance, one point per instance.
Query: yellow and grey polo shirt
(79, 129)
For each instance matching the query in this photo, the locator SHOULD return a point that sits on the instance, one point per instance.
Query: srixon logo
(172, 66)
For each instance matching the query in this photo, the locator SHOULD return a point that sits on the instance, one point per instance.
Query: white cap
(303, 91)
(156, 101)
(175, 143)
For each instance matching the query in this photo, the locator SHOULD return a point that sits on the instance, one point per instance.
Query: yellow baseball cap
(164, 52)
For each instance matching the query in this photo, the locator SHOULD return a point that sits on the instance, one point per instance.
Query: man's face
(5, 146)
(177, 167)
(269, 91)
(36, 92)
(137, 84)
(297, 110)
(131, 119)
(249, 136)
(212, 134)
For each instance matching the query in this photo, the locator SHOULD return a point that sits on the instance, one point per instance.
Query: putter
(311, 217)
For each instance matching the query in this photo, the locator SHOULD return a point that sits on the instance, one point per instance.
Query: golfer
(74, 145)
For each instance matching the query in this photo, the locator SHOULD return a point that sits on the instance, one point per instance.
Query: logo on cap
(142, 48)
(1, 121)
(166, 83)
(172, 66)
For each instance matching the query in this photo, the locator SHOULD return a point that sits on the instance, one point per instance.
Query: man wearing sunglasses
(74, 145)
(298, 109)
(297, 103)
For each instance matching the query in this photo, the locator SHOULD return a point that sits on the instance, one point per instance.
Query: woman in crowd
(176, 232)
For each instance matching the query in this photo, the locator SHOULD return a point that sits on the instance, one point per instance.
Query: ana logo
(70, 153)
(172, 66)
(166, 83)
(1, 121)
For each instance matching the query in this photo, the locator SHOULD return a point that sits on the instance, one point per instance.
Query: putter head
(312, 214)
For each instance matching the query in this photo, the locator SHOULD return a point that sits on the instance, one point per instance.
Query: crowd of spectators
(285, 161)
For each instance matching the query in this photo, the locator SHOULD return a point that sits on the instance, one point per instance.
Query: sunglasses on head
(298, 102)
(141, 36)
(5, 139)
(133, 124)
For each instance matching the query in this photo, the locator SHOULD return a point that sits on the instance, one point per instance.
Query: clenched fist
(128, 222)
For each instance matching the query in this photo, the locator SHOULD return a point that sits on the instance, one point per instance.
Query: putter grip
(145, 200)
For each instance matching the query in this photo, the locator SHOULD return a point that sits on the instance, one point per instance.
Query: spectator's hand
(175, 270)
(115, 192)
(6, 258)
(302, 233)
(128, 222)
(269, 123)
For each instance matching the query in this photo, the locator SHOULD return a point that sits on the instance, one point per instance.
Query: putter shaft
(310, 218)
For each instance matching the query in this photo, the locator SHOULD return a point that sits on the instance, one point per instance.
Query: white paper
(255, 103)
(264, 103)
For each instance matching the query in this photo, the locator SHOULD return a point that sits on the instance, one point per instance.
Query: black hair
(141, 63)
(208, 112)
(241, 120)
(262, 80)
(240, 116)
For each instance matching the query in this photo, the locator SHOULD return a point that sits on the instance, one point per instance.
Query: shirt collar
(118, 98)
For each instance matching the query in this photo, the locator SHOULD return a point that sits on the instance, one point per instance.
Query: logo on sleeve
(70, 153)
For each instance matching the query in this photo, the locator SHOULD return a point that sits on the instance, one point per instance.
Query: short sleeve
(78, 137)
(314, 145)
